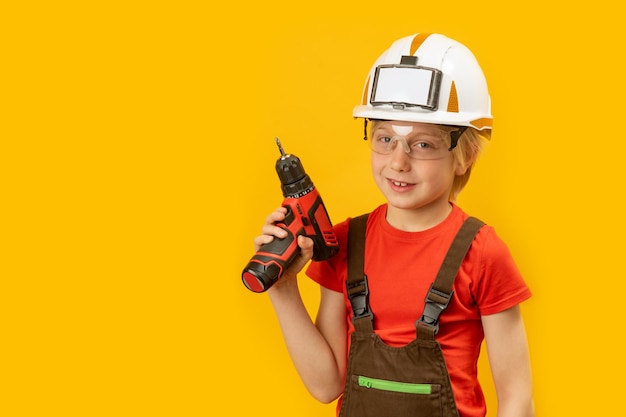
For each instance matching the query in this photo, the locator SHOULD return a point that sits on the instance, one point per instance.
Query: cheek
(376, 163)
(453, 167)
(377, 166)
(444, 173)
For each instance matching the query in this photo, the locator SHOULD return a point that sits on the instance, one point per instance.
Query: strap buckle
(435, 302)
(358, 294)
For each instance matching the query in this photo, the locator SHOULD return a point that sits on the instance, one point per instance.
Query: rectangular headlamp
(406, 86)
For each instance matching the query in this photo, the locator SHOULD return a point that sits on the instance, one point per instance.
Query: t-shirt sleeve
(501, 285)
(330, 273)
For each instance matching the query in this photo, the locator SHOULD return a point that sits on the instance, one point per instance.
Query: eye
(382, 139)
(426, 144)
(422, 145)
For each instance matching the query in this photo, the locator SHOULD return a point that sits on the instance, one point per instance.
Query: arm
(507, 348)
(317, 350)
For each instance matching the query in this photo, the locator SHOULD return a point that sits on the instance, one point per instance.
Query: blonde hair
(469, 147)
(471, 144)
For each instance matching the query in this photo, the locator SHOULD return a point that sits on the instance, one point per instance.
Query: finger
(276, 216)
(262, 240)
(272, 230)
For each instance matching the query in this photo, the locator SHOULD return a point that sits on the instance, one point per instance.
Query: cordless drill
(306, 215)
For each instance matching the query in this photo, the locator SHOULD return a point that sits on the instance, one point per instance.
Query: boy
(428, 110)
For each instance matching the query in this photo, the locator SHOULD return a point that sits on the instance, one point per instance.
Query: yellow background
(137, 164)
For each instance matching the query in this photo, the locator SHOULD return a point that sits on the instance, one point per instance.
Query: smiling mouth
(399, 184)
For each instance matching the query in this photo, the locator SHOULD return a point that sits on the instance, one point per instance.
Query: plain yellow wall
(137, 160)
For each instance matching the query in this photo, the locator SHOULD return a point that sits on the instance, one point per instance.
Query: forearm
(516, 406)
(510, 363)
(310, 353)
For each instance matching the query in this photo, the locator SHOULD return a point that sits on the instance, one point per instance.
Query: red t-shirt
(400, 267)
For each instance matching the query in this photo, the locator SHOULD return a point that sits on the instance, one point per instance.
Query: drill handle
(271, 260)
(325, 243)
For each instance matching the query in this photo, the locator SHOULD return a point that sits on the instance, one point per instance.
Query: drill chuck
(294, 181)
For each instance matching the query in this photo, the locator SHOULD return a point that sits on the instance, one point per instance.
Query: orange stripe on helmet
(418, 40)
(482, 123)
(453, 100)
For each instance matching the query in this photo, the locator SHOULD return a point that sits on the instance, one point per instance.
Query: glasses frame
(455, 135)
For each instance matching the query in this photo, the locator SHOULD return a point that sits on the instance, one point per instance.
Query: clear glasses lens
(420, 147)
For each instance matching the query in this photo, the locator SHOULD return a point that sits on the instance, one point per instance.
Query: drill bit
(282, 151)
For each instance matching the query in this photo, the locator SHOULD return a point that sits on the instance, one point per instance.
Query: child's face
(412, 166)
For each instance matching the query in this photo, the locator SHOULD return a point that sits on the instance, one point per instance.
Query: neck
(417, 220)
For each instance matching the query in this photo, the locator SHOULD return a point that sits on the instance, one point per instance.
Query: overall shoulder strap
(356, 283)
(440, 291)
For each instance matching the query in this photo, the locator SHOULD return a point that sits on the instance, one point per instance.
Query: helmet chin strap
(365, 128)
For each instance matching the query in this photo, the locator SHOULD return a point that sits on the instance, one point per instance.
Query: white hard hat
(427, 78)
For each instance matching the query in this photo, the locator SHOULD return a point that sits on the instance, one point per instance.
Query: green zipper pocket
(384, 385)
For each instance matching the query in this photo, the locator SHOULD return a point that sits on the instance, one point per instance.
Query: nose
(402, 140)
(400, 160)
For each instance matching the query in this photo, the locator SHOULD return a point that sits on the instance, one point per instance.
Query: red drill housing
(306, 215)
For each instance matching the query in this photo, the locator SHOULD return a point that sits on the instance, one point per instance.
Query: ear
(461, 169)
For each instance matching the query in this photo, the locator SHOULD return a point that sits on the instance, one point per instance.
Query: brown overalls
(408, 381)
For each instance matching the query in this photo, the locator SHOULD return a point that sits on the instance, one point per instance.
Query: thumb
(306, 246)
